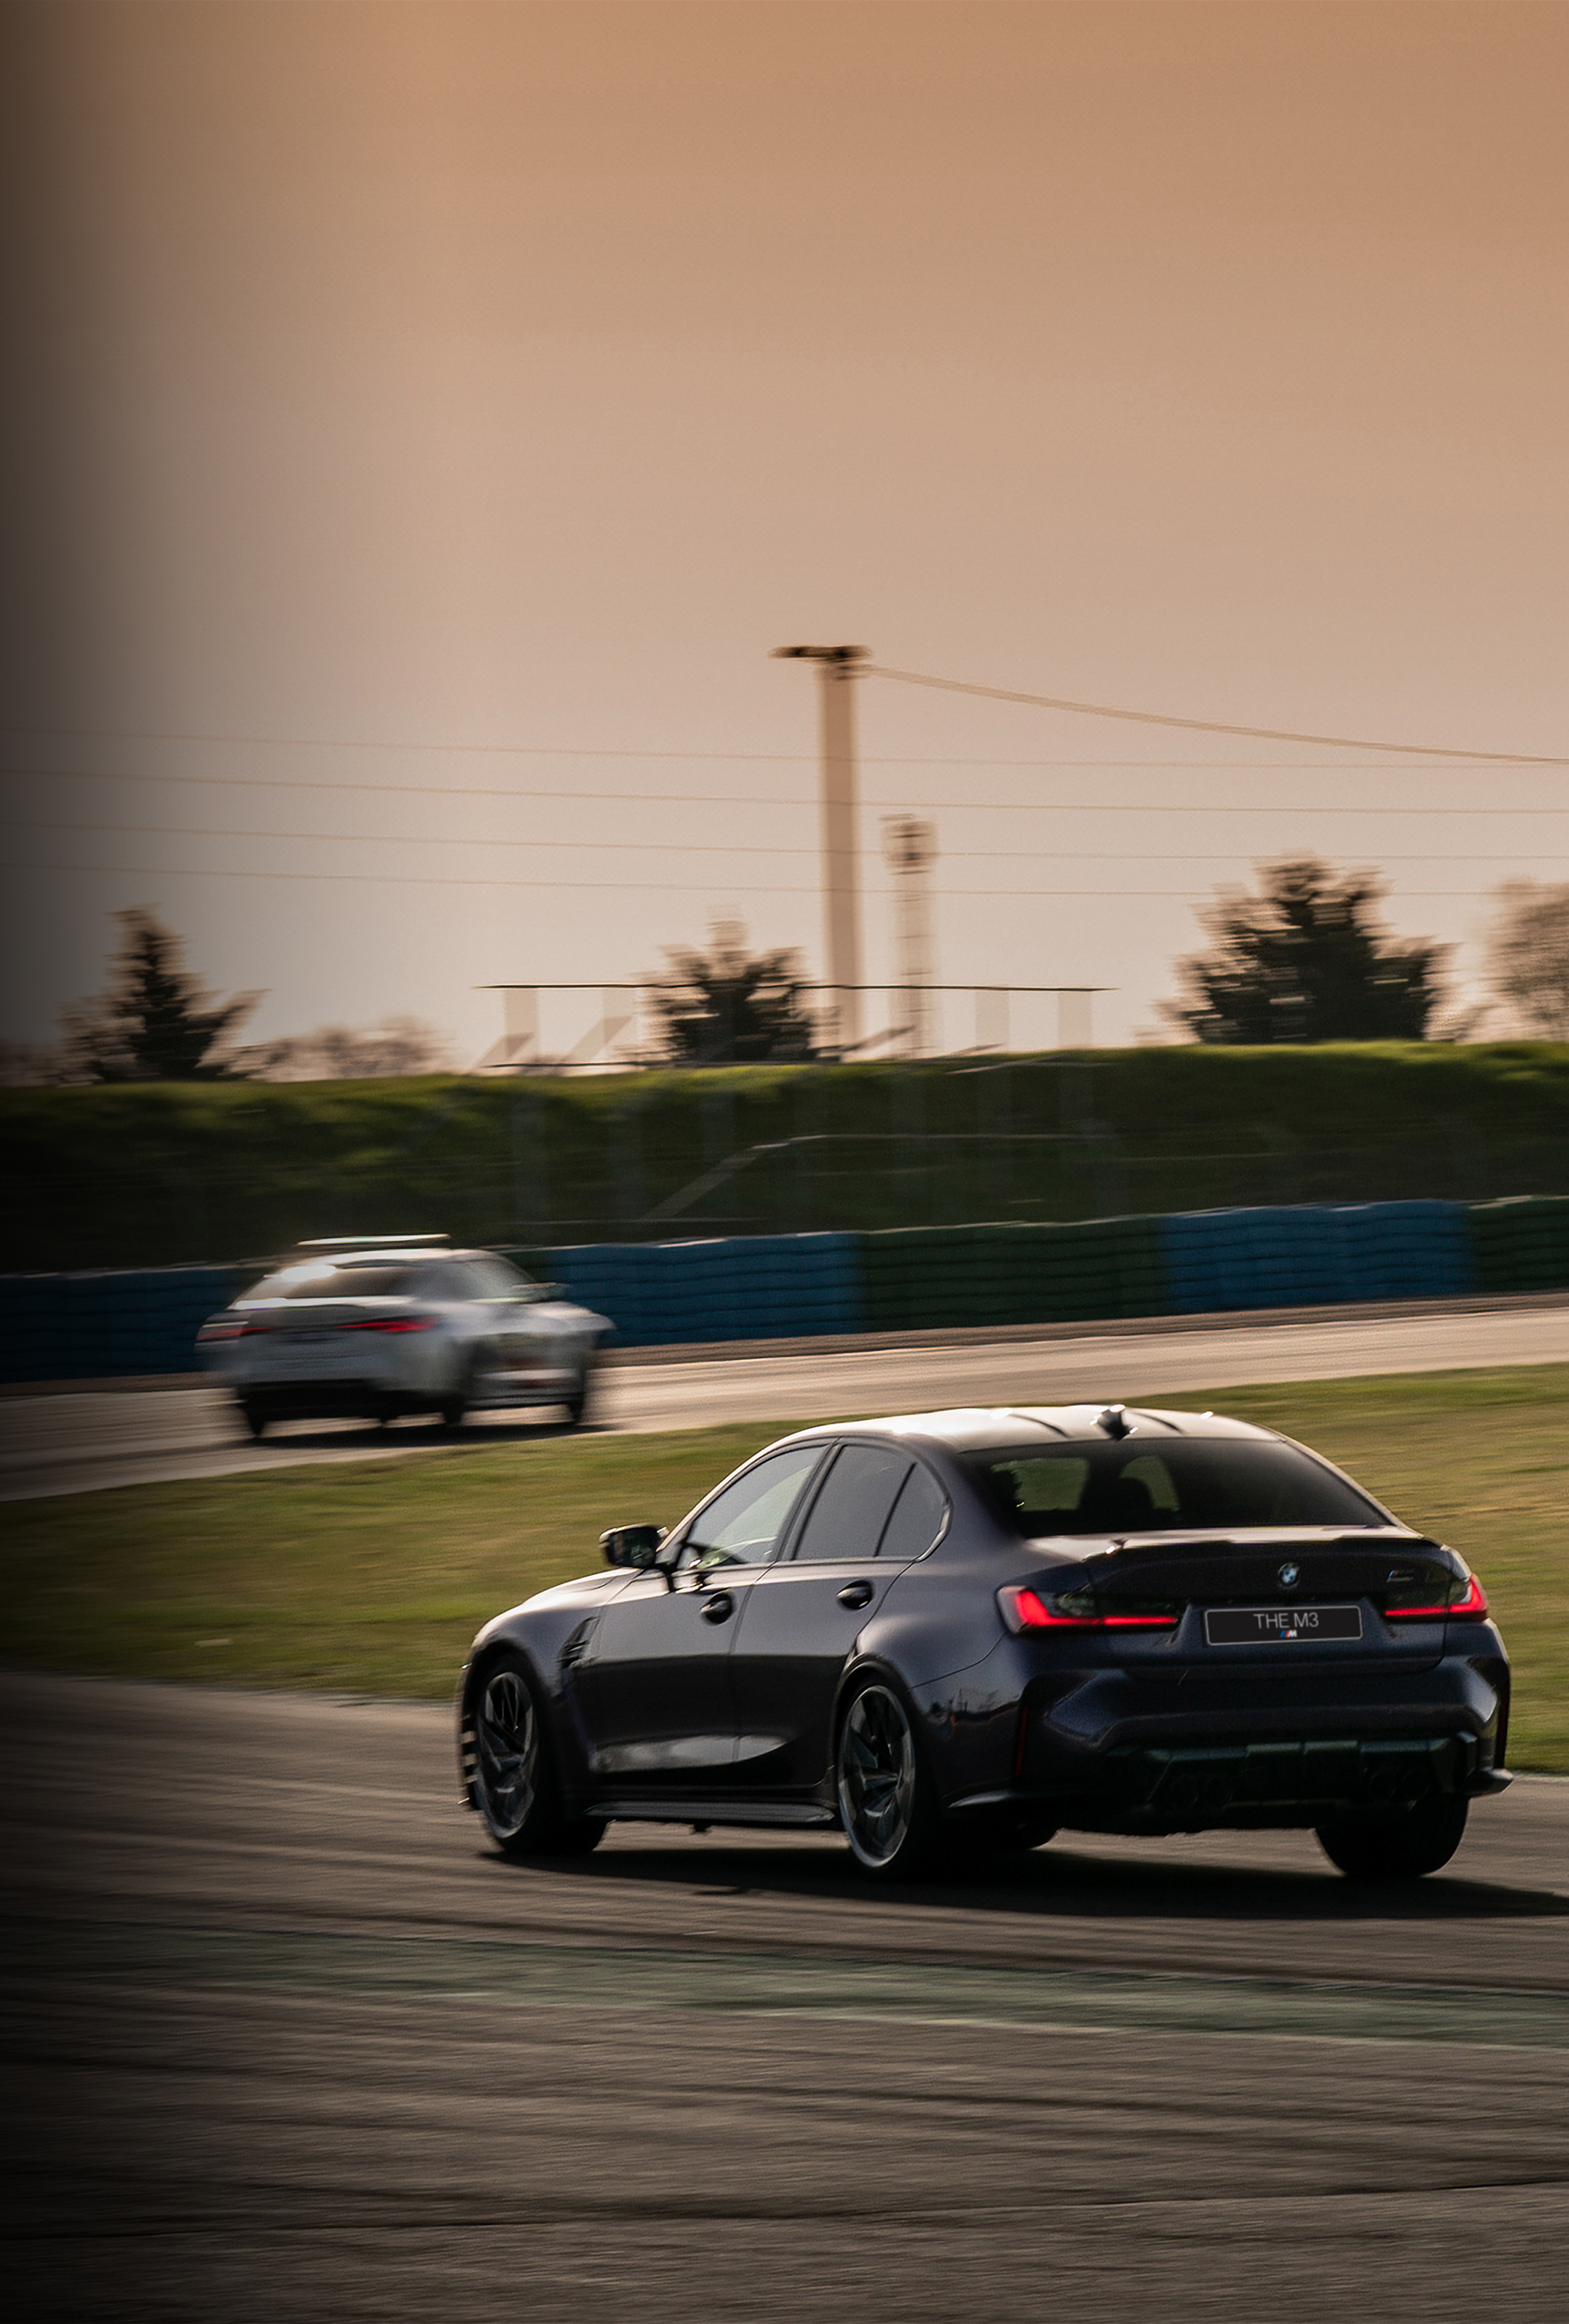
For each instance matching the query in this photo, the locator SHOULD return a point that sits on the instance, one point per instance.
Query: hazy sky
(437, 412)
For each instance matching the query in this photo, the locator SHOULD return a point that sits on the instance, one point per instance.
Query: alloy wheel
(507, 1753)
(877, 1776)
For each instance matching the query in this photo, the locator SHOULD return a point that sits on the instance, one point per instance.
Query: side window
(917, 1518)
(742, 1524)
(854, 1505)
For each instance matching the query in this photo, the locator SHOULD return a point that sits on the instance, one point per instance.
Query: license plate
(1281, 1625)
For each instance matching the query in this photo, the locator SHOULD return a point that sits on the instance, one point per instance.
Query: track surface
(293, 2043)
(73, 1442)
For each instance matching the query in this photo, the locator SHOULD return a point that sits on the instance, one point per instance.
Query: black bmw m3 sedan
(966, 1630)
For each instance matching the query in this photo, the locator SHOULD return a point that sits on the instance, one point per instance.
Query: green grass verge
(372, 1576)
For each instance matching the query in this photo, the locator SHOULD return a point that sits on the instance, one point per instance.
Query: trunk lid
(1242, 1569)
(1285, 1573)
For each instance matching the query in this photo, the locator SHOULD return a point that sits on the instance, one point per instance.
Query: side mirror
(632, 1545)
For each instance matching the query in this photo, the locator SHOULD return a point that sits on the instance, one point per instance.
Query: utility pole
(840, 895)
(910, 850)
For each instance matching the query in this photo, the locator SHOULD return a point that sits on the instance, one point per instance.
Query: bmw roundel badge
(1288, 1575)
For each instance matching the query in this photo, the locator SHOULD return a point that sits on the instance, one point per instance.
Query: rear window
(1132, 1486)
(321, 1279)
(494, 1278)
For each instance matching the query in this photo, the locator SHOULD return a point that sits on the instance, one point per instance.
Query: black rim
(506, 1753)
(877, 1776)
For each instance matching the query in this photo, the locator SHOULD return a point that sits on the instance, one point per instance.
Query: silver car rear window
(321, 1279)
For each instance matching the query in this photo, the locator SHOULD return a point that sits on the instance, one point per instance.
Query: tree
(1528, 956)
(397, 1046)
(28, 1065)
(727, 1007)
(1305, 961)
(157, 1022)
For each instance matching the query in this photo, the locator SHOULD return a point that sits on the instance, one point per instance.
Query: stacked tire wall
(1522, 1246)
(125, 1322)
(109, 1325)
(919, 1278)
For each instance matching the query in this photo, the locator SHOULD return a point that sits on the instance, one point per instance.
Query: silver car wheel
(877, 1776)
(506, 1754)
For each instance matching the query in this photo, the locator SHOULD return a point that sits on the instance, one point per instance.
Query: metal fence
(616, 1027)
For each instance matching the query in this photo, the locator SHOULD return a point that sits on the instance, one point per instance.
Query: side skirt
(762, 1814)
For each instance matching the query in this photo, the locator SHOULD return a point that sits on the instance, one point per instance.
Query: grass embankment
(372, 1576)
(144, 1174)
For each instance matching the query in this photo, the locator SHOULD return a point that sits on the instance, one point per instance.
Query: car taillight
(224, 1327)
(1466, 1602)
(390, 1323)
(1075, 1610)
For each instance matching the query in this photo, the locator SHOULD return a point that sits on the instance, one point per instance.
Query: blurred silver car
(378, 1326)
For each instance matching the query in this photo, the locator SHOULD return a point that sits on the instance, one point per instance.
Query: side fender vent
(573, 1651)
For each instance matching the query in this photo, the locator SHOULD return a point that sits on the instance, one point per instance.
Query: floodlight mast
(836, 672)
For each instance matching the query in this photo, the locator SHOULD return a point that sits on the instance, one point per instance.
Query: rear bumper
(1287, 1781)
(1259, 1786)
(1114, 1752)
(364, 1399)
(1199, 1785)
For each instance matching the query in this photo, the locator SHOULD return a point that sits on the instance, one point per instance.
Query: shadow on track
(1061, 1882)
(411, 1433)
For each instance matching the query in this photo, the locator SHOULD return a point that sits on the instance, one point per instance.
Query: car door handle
(719, 1607)
(856, 1593)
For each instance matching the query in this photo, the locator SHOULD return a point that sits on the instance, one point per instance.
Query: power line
(802, 758)
(785, 798)
(341, 743)
(708, 847)
(1209, 726)
(671, 887)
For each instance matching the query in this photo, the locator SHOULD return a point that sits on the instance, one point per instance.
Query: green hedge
(158, 1175)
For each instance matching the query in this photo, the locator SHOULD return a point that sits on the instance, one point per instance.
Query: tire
(254, 1415)
(512, 1783)
(886, 1800)
(1421, 1841)
(973, 1841)
(1017, 1834)
(578, 1401)
(453, 1409)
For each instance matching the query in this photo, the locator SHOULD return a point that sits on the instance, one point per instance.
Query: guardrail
(122, 1323)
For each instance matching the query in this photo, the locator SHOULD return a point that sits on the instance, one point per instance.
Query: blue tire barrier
(109, 1324)
(119, 1322)
(1316, 1254)
(729, 1288)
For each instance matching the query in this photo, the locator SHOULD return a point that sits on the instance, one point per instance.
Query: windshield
(324, 1279)
(1188, 1484)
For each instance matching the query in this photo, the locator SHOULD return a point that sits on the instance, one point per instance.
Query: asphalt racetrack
(75, 1442)
(289, 2041)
